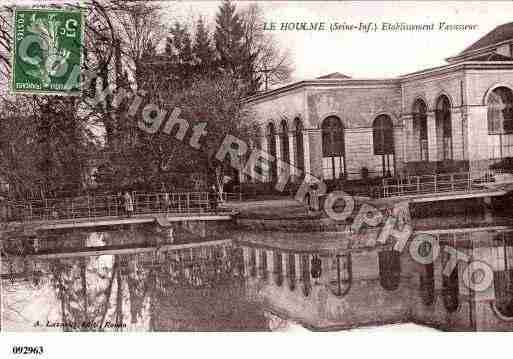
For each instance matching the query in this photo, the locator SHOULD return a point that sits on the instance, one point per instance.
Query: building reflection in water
(134, 280)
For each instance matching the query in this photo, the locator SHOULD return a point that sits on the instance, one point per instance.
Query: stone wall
(485, 149)
(357, 108)
(358, 103)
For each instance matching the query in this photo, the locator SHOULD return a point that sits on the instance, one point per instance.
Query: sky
(367, 55)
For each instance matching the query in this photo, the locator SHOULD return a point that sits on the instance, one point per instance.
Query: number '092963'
(17, 349)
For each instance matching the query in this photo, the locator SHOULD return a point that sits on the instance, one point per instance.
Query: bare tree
(272, 62)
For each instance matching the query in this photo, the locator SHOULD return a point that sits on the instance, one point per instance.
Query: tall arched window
(450, 286)
(263, 264)
(444, 127)
(383, 139)
(500, 118)
(284, 142)
(271, 149)
(298, 145)
(333, 148)
(420, 128)
(305, 274)
(389, 269)
(277, 267)
(291, 270)
(503, 279)
(341, 275)
(427, 284)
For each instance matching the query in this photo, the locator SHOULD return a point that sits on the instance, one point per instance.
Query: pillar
(270, 265)
(407, 139)
(306, 152)
(281, 171)
(432, 137)
(457, 134)
(257, 262)
(438, 269)
(278, 146)
(315, 153)
(478, 140)
(284, 267)
(326, 269)
(264, 144)
(245, 254)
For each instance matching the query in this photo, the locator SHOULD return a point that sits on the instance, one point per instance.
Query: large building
(455, 117)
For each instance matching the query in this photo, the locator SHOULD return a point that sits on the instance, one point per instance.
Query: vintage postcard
(226, 166)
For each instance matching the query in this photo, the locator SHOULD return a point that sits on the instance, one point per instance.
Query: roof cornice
(478, 51)
(454, 67)
(322, 83)
(394, 81)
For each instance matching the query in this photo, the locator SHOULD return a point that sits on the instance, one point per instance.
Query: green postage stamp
(47, 51)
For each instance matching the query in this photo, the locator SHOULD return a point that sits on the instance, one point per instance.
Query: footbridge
(84, 212)
(445, 186)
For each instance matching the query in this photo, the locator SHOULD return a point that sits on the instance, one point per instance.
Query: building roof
(334, 75)
(501, 33)
(491, 57)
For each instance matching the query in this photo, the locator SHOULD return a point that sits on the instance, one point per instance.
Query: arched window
(263, 264)
(503, 283)
(500, 111)
(341, 275)
(420, 128)
(427, 284)
(383, 140)
(389, 269)
(305, 274)
(450, 286)
(291, 270)
(503, 280)
(284, 142)
(271, 149)
(278, 268)
(333, 148)
(444, 127)
(252, 262)
(298, 148)
(500, 119)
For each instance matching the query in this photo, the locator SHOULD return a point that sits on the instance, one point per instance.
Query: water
(199, 288)
(118, 281)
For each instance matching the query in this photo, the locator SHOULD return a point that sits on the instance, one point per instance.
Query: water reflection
(197, 287)
(144, 280)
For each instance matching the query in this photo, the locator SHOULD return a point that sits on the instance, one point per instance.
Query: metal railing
(436, 183)
(109, 206)
(232, 196)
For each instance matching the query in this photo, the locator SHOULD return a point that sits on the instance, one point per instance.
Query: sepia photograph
(253, 167)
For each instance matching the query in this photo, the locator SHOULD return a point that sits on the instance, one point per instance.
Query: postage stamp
(47, 51)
